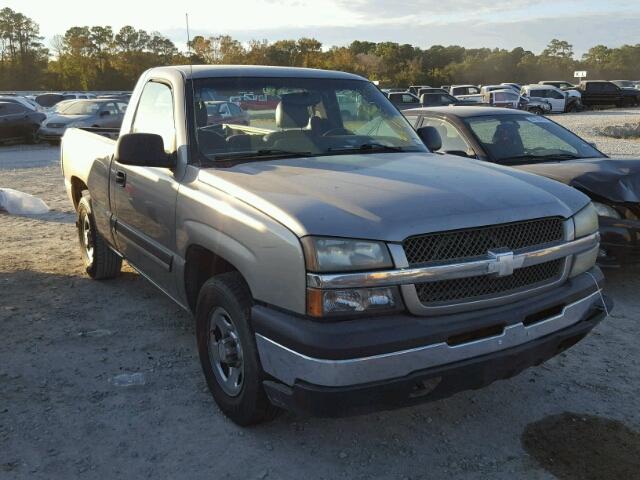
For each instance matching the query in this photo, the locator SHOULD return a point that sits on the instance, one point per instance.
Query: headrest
(202, 117)
(293, 109)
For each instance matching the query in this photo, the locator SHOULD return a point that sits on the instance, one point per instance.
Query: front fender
(267, 254)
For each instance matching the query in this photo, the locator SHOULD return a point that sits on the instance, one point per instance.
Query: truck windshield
(518, 139)
(259, 118)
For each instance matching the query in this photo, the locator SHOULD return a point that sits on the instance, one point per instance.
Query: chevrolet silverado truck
(333, 265)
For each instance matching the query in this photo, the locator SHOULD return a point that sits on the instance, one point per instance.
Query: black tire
(100, 261)
(229, 293)
(537, 111)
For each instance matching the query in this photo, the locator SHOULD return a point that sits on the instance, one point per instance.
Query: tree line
(100, 58)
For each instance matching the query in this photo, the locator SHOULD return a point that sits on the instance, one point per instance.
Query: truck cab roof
(207, 71)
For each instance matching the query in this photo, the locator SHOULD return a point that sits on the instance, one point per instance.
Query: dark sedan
(536, 144)
(18, 122)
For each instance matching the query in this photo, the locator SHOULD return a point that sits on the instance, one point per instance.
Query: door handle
(121, 178)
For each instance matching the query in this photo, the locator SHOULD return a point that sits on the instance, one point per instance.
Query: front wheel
(99, 260)
(228, 352)
(537, 111)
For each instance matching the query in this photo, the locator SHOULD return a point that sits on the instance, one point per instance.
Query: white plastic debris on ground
(20, 203)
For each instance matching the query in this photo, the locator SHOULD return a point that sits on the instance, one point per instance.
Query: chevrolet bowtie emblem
(502, 264)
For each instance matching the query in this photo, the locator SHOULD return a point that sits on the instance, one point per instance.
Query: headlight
(331, 303)
(586, 221)
(606, 211)
(342, 255)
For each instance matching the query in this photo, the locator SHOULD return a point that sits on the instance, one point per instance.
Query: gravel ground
(66, 337)
(586, 124)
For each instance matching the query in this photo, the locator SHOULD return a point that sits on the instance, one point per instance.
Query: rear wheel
(228, 352)
(100, 261)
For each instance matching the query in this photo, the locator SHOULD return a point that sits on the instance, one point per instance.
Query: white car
(469, 93)
(555, 97)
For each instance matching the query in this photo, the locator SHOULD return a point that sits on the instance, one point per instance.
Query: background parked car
(422, 91)
(558, 99)
(541, 146)
(505, 98)
(601, 93)
(415, 88)
(31, 105)
(77, 96)
(18, 122)
(624, 83)
(459, 90)
(220, 112)
(48, 99)
(630, 94)
(436, 99)
(404, 100)
(83, 113)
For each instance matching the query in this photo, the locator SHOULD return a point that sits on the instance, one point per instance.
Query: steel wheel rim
(87, 238)
(225, 352)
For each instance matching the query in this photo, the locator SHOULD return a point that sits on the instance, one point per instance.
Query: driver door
(145, 197)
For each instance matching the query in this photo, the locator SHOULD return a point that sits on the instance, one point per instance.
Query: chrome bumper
(288, 366)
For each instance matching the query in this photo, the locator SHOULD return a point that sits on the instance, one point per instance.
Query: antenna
(193, 91)
(186, 16)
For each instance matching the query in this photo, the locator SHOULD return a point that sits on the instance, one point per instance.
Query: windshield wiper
(368, 147)
(551, 157)
(263, 154)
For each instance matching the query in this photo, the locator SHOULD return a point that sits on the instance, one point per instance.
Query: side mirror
(430, 137)
(144, 150)
(105, 113)
(593, 144)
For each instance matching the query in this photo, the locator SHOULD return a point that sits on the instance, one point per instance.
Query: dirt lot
(66, 337)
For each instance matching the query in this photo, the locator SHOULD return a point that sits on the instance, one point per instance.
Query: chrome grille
(55, 125)
(475, 242)
(479, 287)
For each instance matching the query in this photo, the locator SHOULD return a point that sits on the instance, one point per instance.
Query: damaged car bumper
(619, 242)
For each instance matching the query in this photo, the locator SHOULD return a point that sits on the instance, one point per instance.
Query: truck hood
(391, 196)
(614, 179)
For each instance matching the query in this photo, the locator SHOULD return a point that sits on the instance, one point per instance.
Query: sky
(470, 23)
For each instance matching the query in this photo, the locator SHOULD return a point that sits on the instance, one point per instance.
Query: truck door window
(155, 114)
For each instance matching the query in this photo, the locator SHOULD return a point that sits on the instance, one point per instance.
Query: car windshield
(289, 117)
(82, 107)
(517, 139)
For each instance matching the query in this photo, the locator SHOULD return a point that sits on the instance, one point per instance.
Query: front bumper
(367, 364)
(620, 242)
(54, 134)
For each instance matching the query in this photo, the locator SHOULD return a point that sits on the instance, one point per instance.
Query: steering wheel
(337, 131)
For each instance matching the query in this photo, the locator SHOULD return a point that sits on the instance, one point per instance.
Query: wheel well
(77, 187)
(202, 264)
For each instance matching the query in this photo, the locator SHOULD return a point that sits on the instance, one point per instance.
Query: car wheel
(537, 111)
(228, 352)
(99, 260)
